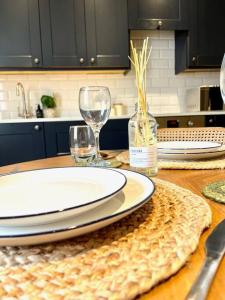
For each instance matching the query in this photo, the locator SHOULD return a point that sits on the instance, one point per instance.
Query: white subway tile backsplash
(4, 95)
(160, 44)
(159, 64)
(172, 44)
(165, 90)
(167, 53)
(159, 82)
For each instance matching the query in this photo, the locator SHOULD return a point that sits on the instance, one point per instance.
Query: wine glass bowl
(222, 79)
(95, 106)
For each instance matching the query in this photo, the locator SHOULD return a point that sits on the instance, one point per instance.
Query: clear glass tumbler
(82, 144)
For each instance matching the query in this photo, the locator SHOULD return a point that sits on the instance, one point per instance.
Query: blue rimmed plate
(136, 193)
(48, 195)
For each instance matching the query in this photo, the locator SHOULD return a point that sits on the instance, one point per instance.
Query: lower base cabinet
(20, 142)
(113, 135)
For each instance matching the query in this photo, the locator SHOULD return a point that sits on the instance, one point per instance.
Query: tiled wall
(166, 91)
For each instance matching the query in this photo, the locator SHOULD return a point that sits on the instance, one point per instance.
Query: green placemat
(215, 191)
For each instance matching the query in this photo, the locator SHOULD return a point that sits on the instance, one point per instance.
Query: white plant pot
(49, 112)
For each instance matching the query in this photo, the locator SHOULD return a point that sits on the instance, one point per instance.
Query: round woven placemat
(215, 191)
(181, 164)
(120, 261)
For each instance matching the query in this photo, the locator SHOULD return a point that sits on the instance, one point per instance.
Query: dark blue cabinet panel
(203, 45)
(21, 142)
(107, 33)
(157, 14)
(114, 135)
(20, 44)
(57, 137)
(63, 33)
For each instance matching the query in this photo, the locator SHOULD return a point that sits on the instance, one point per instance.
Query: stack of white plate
(52, 204)
(188, 150)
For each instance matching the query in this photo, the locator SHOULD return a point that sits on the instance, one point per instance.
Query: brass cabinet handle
(81, 60)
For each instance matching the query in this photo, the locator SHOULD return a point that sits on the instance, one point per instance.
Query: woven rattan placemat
(120, 261)
(181, 164)
(215, 191)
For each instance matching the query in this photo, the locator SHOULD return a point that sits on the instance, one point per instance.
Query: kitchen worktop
(78, 117)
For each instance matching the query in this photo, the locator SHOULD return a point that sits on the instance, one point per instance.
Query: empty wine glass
(95, 106)
(222, 79)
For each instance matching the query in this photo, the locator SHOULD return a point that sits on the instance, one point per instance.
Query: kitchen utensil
(215, 249)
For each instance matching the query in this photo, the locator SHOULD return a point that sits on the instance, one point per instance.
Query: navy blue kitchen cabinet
(156, 14)
(114, 135)
(21, 142)
(20, 44)
(203, 45)
(68, 34)
(57, 137)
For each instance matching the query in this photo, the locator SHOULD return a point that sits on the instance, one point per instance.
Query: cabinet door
(107, 33)
(114, 135)
(63, 33)
(157, 14)
(208, 41)
(20, 44)
(57, 137)
(21, 142)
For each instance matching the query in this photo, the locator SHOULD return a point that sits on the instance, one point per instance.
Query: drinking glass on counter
(95, 106)
(82, 144)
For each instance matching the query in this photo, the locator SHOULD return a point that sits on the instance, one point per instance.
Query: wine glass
(222, 79)
(95, 106)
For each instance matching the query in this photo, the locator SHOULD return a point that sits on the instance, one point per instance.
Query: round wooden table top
(177, 286)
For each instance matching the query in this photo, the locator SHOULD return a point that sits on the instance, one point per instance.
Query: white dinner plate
(188, 147)
(137, 191)
(48, 195)
(191, 156)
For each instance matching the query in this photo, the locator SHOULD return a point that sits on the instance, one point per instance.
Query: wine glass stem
(96, 133)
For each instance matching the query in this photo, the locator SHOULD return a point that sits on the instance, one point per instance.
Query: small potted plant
(49, 106)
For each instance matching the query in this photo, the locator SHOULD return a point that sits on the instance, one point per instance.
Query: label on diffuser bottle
(143, 157)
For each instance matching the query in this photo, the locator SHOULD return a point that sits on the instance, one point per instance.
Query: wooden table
(177, 286)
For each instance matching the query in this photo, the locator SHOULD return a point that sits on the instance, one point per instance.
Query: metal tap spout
(20, 91)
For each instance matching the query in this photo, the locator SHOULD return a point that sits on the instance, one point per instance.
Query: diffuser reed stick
(140, 61)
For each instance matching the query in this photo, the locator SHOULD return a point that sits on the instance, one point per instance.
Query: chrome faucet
(20, 89)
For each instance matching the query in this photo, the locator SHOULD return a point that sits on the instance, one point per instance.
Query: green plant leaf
(48, 101)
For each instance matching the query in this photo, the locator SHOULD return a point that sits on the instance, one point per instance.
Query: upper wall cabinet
(107, 33)
(203, 46)
(20, 44)
(208, 44)
(64, 34)
(158, 14)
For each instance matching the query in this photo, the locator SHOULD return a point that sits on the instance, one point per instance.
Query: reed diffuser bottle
(142, 126)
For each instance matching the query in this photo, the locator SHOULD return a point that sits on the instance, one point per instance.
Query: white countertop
(79, 118)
